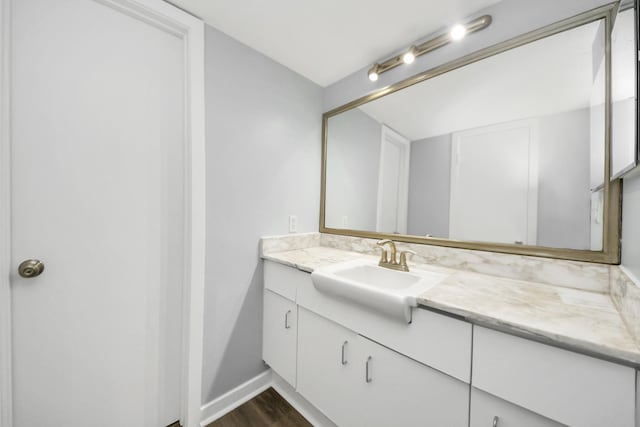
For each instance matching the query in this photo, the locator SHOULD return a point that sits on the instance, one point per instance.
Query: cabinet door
(280, 335)
(394, 390)
(488, 410)
(326, 367)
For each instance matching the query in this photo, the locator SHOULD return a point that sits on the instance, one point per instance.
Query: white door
(393, 182)
(97, 174)
(494, 184)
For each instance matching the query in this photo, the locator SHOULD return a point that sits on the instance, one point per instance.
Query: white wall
(353, 158)
(263, 163)
(631, 225)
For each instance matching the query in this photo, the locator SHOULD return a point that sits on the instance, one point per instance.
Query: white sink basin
(389, 292)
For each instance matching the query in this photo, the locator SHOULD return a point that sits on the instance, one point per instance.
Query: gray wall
(429, 187)
(631, 224)
(564, 199)
(563, 183)
(510, 19)
(353, 159)
(263, 164)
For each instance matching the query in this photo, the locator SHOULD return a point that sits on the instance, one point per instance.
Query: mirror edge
(612, 215)
(633, 168)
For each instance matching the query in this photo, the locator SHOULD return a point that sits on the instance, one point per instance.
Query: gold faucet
(392, 261)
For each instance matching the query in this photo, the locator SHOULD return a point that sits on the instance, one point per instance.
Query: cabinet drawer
(279, 335)
(487, 409)
(565, 386)
(283, 280)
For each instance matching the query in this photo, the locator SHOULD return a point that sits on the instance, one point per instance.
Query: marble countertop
(583, 321)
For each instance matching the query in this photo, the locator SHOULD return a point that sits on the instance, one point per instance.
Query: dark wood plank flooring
(268, 409)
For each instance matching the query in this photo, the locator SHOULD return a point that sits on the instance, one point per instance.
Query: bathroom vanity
(479, 350)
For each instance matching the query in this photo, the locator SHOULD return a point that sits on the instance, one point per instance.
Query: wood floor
(268, 409)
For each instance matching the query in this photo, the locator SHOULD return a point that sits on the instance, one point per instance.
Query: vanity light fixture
(457, 32)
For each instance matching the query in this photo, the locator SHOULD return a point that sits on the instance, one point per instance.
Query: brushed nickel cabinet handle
(367, 377)
(495, 421)
(286, 320)
(344, 344)
(30, 268)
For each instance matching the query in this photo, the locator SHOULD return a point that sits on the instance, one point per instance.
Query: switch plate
(293, 224)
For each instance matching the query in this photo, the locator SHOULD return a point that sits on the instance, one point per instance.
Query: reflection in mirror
(624, 149)
(509, 149)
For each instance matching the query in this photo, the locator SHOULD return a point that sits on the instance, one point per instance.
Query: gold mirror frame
(612, 212)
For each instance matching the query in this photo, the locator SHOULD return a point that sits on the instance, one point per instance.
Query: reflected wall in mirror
(624, 67)
(508, 150)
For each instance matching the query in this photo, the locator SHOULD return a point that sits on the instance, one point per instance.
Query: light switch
(293, 223)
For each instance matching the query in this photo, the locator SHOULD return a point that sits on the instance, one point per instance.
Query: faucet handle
(403, 259)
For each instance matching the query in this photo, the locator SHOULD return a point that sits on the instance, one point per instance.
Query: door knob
(30, 268)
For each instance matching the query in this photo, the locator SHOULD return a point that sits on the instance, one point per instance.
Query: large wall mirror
(506, 150)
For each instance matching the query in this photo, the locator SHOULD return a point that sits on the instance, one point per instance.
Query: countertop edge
(559, 341)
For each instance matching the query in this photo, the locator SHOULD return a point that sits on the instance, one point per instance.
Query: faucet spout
(393, 263)
(392, 252)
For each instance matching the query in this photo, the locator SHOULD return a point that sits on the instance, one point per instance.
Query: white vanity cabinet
(327, 371)
(394, 390)
(363, 370)
(357, 382)
(566, 387)
(279, 336)
(280, 319)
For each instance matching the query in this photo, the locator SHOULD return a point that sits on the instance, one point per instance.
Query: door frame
(388, 135)
(191, 30)
(532, 193)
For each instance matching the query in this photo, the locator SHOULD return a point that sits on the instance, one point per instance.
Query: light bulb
(457, 32)
(410, 56)
(373, 73)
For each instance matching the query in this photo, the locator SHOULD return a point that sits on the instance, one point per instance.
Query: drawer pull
(367, 377)
(495, 421)
(344, 344)
(286, 320)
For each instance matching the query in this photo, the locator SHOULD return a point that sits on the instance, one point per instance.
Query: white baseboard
(299, 403)
(234, 398)
(247, 391)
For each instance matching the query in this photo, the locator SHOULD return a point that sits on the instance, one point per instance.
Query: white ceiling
(326, 40)
(548, 76)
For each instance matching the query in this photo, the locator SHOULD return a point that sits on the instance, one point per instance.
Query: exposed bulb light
(455, 33)
(458, 32)
(410, 56)
(373, 72)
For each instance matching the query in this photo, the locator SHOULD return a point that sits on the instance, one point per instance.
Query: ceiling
(326, 40)
(549, 76)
